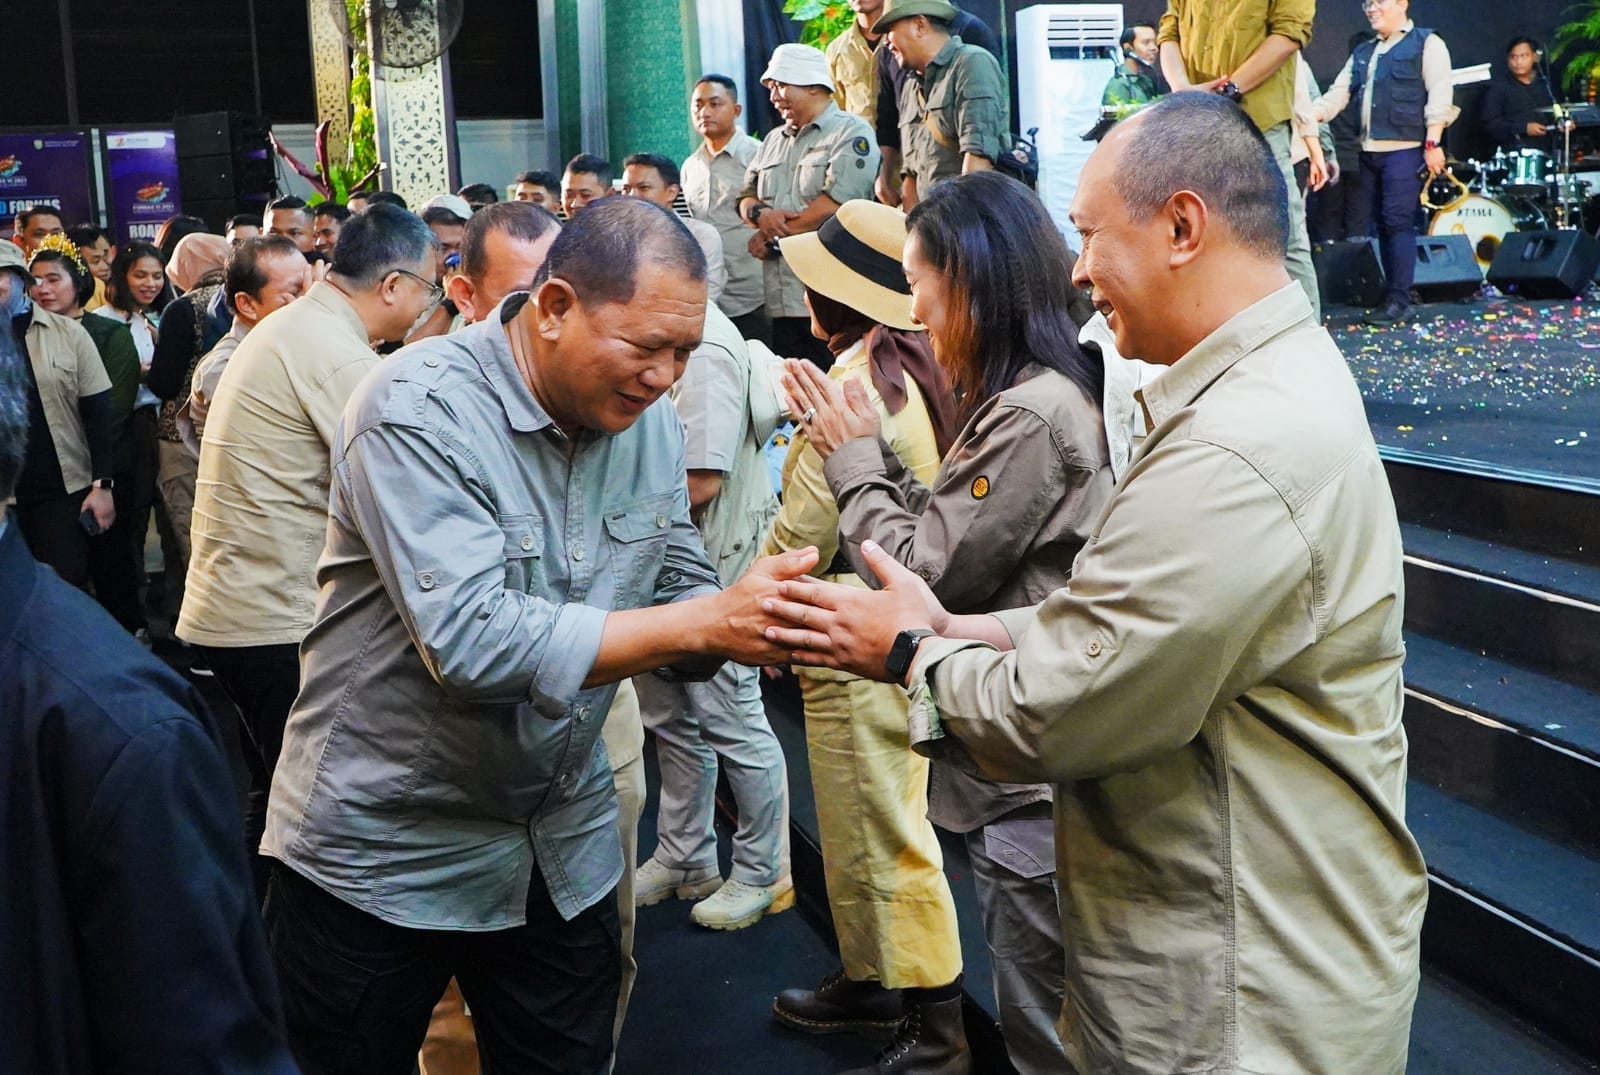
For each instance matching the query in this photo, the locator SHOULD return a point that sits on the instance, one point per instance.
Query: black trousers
(358, 991)
(791, 338)
(261, 682)
(755, 325)
(55, 537)
(114, 561)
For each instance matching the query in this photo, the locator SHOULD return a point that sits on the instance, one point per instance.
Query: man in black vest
(1401, 86)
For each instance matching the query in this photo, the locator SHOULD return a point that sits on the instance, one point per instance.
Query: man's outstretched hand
(742, 620)
(851, 629)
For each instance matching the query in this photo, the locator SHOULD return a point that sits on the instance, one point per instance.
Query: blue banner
(46, 169)
(141, 182)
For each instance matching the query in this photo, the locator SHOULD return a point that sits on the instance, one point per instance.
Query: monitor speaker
(1349, 272)
(1545, 264)
(1447, 270)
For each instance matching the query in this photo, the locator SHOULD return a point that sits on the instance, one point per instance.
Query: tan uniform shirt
(1215, 43)
(710, 242)
(711, 186)
(853, 63)
(67, 366)
(261, 497)
(1217, 694)
(835, 154)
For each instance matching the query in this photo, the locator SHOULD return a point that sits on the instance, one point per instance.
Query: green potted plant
(1577, 43)
(820, 20)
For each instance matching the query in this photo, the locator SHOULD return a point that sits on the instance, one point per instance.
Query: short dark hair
(25, 216)
(375, 243)
(386, 197)
(599, 251)
(589, 164)
(248, 220)
(539, 178)
(334, 209)
(1205, 143)
(438, 214)
(479, 194)
(520, 220)
(1131, 31)
(664, 166)
(117, 287)
(288, 201)
(82, 278)
(13, 414)
(245, 272)
(1522, 40)
(722, 80)
(173, 229)
(1010, 276)
(87, 235)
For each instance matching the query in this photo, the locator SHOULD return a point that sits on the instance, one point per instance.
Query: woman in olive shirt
(64, 284)
(1014, 501)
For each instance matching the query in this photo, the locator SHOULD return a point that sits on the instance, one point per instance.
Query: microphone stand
(1563, 120)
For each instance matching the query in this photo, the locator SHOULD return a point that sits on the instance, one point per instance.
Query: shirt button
(661, 521)
(926, 572)
(1092, 647)
(527, 542)
(577, 552)
(425, 580)
(430, 362)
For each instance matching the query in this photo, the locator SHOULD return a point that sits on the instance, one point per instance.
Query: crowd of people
(457, 504)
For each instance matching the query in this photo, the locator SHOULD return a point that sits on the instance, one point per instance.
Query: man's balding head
(504, 245)
(599, 252)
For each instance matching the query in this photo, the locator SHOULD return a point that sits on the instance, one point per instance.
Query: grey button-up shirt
(442, 743)
(711, 186)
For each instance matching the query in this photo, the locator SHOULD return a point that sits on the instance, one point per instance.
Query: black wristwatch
(103, 483)
(753, 213)
(904, 651)
(1231, 91)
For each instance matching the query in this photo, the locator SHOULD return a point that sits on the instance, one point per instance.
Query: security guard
(819, 159)
(955, 109)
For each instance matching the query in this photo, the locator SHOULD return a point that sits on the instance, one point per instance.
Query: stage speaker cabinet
(1447, 270)
(1545, 264)
(225, 165)
(1349, 272)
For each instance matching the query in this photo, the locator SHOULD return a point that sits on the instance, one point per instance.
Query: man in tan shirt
(1217, 691)
(261, 497)
(853, 62)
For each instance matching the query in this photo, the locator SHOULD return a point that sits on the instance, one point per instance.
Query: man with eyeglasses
(1401, 84)
(261, 497)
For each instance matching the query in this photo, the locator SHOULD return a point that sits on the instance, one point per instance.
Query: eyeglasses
(435, 292)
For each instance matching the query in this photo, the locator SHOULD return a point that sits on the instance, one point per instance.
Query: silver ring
(811, 412)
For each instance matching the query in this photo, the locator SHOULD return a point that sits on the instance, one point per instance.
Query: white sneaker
(736, 904)
(655, 881)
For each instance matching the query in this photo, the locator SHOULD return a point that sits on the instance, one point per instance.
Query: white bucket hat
(798, 65)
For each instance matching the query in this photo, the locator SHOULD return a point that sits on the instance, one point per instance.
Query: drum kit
(1524, 189)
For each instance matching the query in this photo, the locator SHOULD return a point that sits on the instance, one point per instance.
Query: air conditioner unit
(1066, 53)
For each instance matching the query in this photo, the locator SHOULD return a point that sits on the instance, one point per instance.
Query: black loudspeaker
(1545, 264)
(225, 165)
(1349, 272)
(1446, 269)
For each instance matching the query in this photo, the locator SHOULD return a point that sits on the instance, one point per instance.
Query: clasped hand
(839, 410)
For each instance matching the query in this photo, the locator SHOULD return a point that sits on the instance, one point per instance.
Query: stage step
(1513, 915)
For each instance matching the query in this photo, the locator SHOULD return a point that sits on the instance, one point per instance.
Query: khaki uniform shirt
(835, 154)
(711, 186)
(853, 63)
(1013, 504)
(261, 495)
(710, 242)
(67, 366)
(1217, 695)
(963, 95)
(713, 400)
(1214, 45)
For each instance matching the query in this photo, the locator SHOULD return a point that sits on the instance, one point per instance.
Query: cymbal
(1560, 109)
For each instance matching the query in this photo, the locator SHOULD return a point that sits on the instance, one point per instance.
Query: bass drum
(1485, 221)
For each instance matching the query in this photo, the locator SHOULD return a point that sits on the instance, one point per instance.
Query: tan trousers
(891, 903)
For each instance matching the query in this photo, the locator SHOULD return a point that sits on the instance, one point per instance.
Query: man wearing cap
(954, 107)
(819, 159)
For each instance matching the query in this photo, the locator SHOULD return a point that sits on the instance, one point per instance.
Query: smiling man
(1224, 730)
(508, 538)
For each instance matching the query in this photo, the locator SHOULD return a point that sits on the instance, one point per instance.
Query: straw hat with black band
(854, 259)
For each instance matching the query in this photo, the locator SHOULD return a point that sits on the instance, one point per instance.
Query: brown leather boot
(931, 1040)
(840, 1005)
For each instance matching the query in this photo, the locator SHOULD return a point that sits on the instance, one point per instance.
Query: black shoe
(841, 1006)
(931, 1040)
(1387, 314)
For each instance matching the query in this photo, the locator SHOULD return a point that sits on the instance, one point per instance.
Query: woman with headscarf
(892, 909)
(1014, 500)
(63, 283)
(190, 326)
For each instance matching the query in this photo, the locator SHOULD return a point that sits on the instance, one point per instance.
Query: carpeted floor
(1508, 382)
